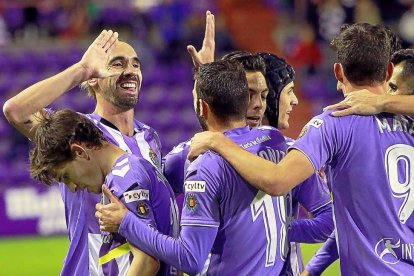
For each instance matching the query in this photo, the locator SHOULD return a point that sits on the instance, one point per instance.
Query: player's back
(372, 171)
(251, 238)
(146, 193)
(84, 235)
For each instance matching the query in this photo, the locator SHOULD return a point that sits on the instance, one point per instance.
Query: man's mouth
(253, 119)
(129, 86)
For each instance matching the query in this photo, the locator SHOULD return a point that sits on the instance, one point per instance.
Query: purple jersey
(251, 237)
(372, 170)
(84, 235)
(146, 193)
(175, 164)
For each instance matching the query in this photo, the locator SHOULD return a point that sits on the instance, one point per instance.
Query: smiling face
(258, 92)
(79, 174)
(122, 90)
(286, 103)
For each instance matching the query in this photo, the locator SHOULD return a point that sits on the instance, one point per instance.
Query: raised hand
(206, 53)
(110, 215)
(361, 102)
(95, 59)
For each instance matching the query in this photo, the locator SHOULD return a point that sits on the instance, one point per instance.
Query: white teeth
(129, 85)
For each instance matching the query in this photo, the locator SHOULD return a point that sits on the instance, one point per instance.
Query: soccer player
(69, 148)
(111, 72)
(242, 227)
(371, 159)
(401, 84)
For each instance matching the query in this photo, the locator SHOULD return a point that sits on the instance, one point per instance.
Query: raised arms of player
(325, 256)
(367, 103)
(206, 53)
(23, 109)
(187, 253)
(273, 179)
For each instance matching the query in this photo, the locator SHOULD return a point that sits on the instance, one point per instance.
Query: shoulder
(209, 163)
(179, 150)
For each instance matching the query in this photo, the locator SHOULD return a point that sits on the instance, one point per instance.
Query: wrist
(216, 140)
(82, 72)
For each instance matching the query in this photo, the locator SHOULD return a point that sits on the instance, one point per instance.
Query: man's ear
(390, 70)
(79, 151)
(204, 109)
(339, 72)
(93, 82)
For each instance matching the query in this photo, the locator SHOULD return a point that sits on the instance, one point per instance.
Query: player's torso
(151, 199)
(374, 181)
(83, 227)
(252, 238)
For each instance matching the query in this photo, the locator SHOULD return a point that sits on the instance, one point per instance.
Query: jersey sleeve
(325, 256)
(134, 190)
(322, 138)
(202, 192)
(175, 164)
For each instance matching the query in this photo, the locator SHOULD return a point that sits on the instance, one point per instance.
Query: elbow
(194, 266)
(274, 189)
(11, 112)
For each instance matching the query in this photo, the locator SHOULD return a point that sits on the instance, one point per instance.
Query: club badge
(191, 201)
(142, 209)
(303, 132)
(154, 158)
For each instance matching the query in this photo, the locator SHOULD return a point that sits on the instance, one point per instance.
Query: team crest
(154, 158)
(191, 201)
(303, 131)
(142, 209)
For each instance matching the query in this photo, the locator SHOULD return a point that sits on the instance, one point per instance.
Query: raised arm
(366, 103)
(206, 53)
(273, 179)
(24, 109)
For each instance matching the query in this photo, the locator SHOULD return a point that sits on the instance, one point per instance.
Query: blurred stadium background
(39, 38)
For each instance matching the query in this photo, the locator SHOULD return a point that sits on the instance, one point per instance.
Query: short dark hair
(395, 41)
(405, 57)
(249, 61)
(278, 74)
(223, 85)
(53, 139)
(364, 52)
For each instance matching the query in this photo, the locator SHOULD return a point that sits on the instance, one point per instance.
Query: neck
(123, 120)
(107, 156)
(216, 125)
(379, 88)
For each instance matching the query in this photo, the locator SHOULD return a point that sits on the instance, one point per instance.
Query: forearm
(314, 230)
(187, 253)
(273, 179)
(398, 104)
(325, 256)
(20, 110)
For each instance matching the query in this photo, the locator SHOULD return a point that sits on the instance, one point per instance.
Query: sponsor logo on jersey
(142, 209)
(316, 123)
(136, 195)
(154, 158)
(195, 186)
(391, 250)
(106, 237)
(191, 201)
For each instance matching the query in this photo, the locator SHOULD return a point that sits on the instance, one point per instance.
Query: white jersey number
(262, 204)
(402, 182)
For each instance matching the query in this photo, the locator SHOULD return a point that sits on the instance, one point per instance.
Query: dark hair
(364, 52)
(223, 85)
(249, 61)
(395, 41)
(405, 57)
(53, 139)
(278, 74)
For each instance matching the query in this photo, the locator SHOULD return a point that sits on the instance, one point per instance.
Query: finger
(109, 194)
(99, 206)
(98, 40)
(344, 112)
(98, 215)
(111, 41)
(340, 105)
(193, 53)
(106, 39)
